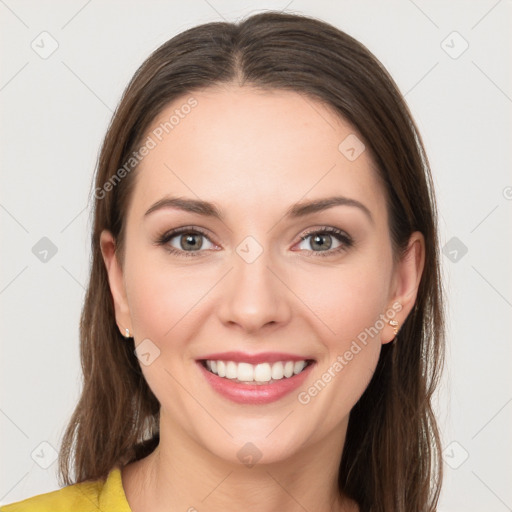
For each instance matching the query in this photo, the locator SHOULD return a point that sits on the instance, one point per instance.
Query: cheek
(158, 295)
(161, 298)
(350, 306)
(165, 302)
(346, 300)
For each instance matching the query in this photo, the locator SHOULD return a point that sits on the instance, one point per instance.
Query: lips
(255, 378)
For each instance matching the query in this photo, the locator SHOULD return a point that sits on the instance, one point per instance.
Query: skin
(254, 154)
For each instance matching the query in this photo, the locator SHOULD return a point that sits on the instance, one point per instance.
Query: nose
(254, 296)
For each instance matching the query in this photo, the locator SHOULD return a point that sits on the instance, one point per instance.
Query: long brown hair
(391, 457)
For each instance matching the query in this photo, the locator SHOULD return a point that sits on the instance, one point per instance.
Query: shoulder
(82, 496)
(90, 496)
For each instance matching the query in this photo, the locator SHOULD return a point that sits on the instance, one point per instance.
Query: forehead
(247, 148)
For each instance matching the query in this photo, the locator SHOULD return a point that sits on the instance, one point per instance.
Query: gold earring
(395, 325)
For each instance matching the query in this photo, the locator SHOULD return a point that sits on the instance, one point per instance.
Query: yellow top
(90, 496)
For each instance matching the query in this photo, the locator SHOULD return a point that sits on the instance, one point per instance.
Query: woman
(263, 327)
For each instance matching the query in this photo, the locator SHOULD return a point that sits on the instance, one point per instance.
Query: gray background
(55, 110)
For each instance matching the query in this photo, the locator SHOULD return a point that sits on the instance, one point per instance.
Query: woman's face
(267, 278)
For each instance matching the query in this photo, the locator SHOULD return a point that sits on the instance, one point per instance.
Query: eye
(327, 241)
(185, 241)
(188, 241)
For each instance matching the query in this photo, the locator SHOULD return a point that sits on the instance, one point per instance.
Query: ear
(406, 280)
(116, 281)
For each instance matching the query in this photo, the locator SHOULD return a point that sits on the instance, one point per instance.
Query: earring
(127, 333)
(395, 325)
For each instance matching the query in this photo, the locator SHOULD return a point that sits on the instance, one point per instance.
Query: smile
(254, 379)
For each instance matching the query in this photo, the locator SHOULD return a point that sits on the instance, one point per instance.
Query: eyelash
(341, 236)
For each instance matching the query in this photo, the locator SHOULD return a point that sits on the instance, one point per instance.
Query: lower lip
(255, 393)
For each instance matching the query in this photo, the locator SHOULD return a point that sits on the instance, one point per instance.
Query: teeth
(245, 372)
(263, 372)
(231, 370)
(298, 366)
(277, 371)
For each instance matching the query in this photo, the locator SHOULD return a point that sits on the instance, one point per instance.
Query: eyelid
(171, 233)
(324, 229)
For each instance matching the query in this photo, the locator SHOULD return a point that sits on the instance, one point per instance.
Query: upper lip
(262, 357)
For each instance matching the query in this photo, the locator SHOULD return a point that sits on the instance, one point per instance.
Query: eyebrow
(300, 209)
